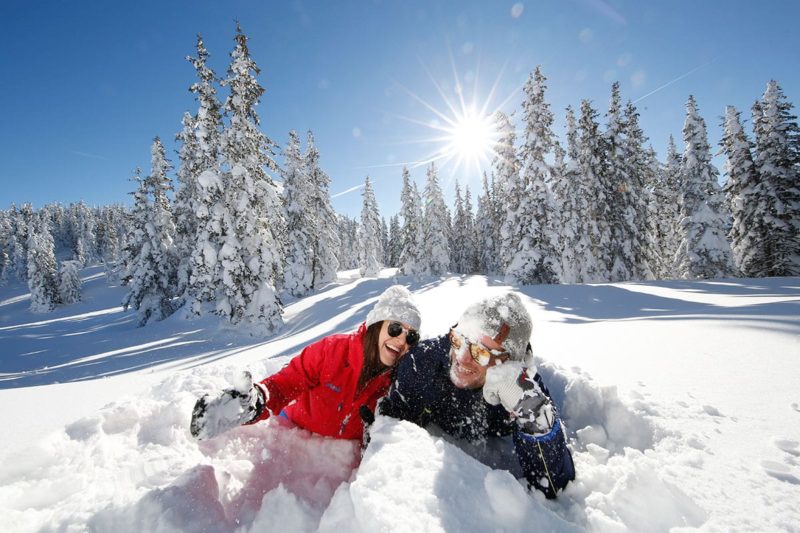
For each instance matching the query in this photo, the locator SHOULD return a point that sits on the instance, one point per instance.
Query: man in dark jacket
(478, 383)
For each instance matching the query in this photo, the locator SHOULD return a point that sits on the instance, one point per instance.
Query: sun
(469, 139)
(463, 132)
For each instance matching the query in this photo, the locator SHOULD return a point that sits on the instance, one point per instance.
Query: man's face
(465, 371)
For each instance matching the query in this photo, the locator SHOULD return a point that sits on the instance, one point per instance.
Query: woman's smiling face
(392, 349)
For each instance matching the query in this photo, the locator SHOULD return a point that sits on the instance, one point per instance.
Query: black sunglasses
(396, 328)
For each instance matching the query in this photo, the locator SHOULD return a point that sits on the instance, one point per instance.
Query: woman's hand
(232, 408)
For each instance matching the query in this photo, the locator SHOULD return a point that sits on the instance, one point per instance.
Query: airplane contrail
(347, 191)
(91, 156)
(679, 78)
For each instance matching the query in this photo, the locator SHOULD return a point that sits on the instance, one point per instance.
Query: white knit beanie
(396, 303)
(487, 316)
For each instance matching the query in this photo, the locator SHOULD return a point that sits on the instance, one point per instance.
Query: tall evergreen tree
(593, 203)
(667, 197)
(369, 239)
(153, 272)
(395, 242)
(777, 163)
(534, 253)
(347, 253)
(325, 240)
(42, 276)
(300, 222)
(22, 222)
(471, 237)
(641, 170)
(459, 238)
(508, 189)
(7, 246)
(412, 237)
(436, 225)
(574, 199)
(487, 231)
(199, 202)
(618, 187)
(137, 229)
(252, 224)
(748, 234)
(69, 282)
(704, 252)
(385, 242)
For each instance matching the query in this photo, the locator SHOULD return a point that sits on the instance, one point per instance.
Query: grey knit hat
(488, 316)
(396, 303)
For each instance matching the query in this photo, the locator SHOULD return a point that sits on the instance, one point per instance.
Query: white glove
(232, 408)
(501, 385)
(513, 386)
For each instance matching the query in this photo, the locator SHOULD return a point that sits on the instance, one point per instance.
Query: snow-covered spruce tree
(197, 229)
(508, 189)
(153, 271)
(777, 162)
(653, 182)
(347, 253)
(22, 219)
(83, 223)
(460, 238)
(108, 239)
(137, 229)
(7, 245)
(486, 231)
(412, 238)
(748, 234)
(593, 203)
(704, 252)
(573, 199)
(395, 241)
(69, 282)
(252, 226)
(534, 256)
(42, 280)
(471, 238)
(435, 227)
(325, 238)
(300, 221)
(385, 242)
(617, 180)
(641, 170)
(369, 234)
(668, 209)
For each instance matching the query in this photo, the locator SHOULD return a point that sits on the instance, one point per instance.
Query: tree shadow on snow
(579, 304)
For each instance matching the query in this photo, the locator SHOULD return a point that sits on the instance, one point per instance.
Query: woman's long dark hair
(372, 358)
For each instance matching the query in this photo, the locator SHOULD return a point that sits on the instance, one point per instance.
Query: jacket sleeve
(545, 459)
(301, 374)
(404, 400)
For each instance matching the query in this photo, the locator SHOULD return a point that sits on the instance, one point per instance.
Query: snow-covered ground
(681, 400)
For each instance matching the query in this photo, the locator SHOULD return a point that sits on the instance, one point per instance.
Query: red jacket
(323, 380)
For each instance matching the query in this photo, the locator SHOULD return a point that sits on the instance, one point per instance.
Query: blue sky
(88, 84)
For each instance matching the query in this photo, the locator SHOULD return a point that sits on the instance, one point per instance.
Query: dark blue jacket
(423, 393)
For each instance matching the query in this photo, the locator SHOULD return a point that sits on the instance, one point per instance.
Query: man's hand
(512, 385)
(232, 408)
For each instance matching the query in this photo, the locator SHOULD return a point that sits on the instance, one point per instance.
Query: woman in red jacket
(323, 388)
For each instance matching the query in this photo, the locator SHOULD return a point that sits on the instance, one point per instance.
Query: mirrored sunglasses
(479, 353)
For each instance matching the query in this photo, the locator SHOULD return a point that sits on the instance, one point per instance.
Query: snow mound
(412, 481)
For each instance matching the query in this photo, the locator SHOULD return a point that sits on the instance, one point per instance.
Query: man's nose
(463, 355)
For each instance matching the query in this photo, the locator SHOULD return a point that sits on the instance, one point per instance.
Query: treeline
(603, 208)
(228, 239)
